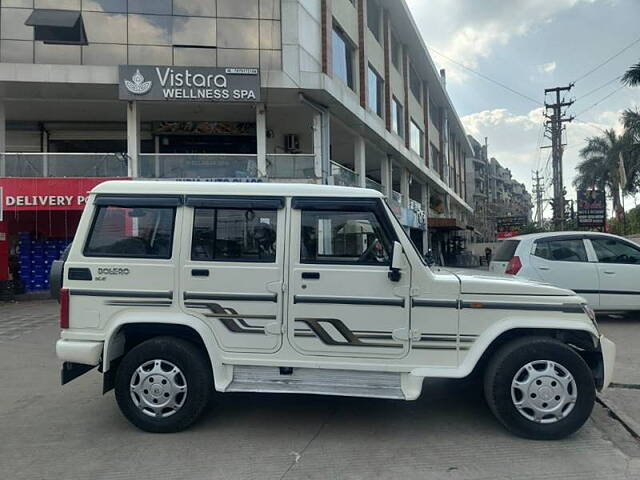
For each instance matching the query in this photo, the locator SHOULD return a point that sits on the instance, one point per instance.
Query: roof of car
(151, 187)
(536, 236)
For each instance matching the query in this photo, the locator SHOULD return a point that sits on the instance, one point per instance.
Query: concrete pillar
(317, 144)
(360, 160)
(3, 139)
(404, 187)
(261, 139)
(133, 138)
(385, 175)
(425, 195)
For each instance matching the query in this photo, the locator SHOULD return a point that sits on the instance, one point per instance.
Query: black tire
(507, 362)
(197, 373)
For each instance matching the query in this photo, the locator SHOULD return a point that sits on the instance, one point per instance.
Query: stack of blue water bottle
(35, 257)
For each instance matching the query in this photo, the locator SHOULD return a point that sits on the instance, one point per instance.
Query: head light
(590, 313)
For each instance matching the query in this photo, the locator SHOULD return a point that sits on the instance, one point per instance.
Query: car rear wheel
(163, 384)
(539, 388)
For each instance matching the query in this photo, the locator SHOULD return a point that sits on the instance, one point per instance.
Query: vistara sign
(198, 84)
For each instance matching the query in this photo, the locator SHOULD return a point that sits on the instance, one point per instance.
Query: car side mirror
(396, 262)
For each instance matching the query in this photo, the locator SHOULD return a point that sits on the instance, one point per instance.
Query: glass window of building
(343, 54)
(154, 7)
(195, 8)
(395, 53)
(415, 83)
(374, 18)
(375, 91)
(417, 138)
(434, 115)
(397, 117)
(58, 26)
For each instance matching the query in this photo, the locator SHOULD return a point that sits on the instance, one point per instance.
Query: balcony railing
(286, 166)
(63, 164)
(396, 197)
(181, 165)
(374, 185)
(344, 176)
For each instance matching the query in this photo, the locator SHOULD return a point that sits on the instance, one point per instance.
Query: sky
(530, 45)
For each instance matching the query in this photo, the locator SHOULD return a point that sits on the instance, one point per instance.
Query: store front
(38, 219)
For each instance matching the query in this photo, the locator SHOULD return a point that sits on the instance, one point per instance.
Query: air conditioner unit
(292, 143)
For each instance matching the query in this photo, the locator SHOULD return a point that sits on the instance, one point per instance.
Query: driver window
(343, 238)
(613, 251)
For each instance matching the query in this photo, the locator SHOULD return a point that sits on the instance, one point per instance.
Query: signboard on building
(189, 84)
(592, 208)
(508, 227)
(21, 194)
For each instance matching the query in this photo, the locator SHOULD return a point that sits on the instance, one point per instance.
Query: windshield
(398, 224)
(506, 251)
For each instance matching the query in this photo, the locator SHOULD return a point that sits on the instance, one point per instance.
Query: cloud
(547, 68)
(515, 140)
(471, 30)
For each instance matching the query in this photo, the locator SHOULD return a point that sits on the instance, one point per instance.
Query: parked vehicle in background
(602, 268)
(177, 289)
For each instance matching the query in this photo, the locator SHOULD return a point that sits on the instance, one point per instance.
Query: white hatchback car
(602, 268)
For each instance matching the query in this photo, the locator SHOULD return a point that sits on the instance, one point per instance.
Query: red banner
(17, 194)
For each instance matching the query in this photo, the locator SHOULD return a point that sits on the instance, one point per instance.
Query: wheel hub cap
(158, 388)
(544, 391)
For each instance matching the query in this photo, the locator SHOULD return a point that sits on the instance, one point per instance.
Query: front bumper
(85, 352)
(608, 350)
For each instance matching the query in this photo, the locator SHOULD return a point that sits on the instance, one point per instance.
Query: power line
(599, 101)
(489, 79)
(599, 88)
(637, 40)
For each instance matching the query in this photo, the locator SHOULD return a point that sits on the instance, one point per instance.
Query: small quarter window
(506, 251)
(131, 232)
(234, 235)
(343, 238)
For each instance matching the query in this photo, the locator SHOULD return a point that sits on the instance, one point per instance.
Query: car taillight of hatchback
(514, 266)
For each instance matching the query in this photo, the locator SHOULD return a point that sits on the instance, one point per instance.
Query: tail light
(514, 266)
(64, 308)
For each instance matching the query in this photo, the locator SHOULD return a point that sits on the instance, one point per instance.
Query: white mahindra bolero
(177, 289)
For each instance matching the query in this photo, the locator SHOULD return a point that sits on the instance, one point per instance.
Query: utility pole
(538, 191)
(555, 114)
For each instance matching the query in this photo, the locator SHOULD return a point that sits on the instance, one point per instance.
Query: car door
(564, 262)
(341, 299)
(233, 269)
(619, 271)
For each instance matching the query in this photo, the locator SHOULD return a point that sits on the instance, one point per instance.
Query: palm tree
(632, 76)
(631, 122)
(600, 165)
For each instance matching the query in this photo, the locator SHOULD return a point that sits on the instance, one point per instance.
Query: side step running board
(351, 383)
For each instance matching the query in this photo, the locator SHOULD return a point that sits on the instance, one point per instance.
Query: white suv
(176, 290)
(603, 268)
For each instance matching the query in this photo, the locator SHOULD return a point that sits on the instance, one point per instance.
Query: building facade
(326, 91)
(493, 193)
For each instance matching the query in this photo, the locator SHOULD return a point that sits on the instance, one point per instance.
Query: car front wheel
(163, 384)
(539, 388)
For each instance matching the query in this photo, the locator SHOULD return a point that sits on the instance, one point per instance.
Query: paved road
(50, 432)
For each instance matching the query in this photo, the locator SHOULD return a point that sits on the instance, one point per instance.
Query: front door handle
(199, 272)
(544, 268)
(609, 272)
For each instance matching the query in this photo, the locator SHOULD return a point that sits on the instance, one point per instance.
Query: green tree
(600, 165)
(631, 122)
(632, 76)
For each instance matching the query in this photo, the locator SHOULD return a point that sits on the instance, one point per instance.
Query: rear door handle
(311, 275)
(609, 272)
(199, 272)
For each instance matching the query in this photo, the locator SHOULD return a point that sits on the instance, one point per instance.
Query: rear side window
(562, 250)
(131, 232)
(506, 251)
(234, 235)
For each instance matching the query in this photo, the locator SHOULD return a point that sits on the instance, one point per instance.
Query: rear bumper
(608, 350)
(85, 352)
